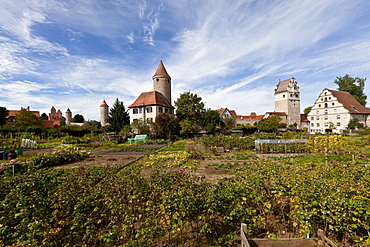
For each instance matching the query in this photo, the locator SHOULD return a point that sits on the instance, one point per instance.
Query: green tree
(78, 118)
(118, 117)
(26, 118)
(188, 127)
(44, 116)
(211, 121)
(189, 107)
(307, 109)
(229, 122)
(269, 124)
(353, 124)
(3, 114)
(354, 86)
(166, 126)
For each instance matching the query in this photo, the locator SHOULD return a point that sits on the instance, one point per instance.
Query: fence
(281, 145)
(320, 241)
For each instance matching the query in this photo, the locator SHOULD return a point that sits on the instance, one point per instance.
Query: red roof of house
(221, 111)
(275, 113)
(304, 118)
(50, 123)
(13, 113)
(349, 102)
(151, 98)
(161, 70)
(103, 104)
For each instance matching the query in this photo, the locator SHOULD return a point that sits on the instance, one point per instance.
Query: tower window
(149, 109)
(283, 95)
(157, 79)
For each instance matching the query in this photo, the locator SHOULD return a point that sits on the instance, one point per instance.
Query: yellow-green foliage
(322, 143)
(172, 159)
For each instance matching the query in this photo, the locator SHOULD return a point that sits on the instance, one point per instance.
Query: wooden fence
(320, 241)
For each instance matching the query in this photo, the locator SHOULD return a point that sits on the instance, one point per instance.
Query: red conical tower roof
(161, 70)
(103, 104)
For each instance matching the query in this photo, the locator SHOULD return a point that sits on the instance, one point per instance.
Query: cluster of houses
(332, 110)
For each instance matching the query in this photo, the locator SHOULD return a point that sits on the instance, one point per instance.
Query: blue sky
(75, 53)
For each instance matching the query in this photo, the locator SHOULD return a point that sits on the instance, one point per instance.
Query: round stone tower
(104, 113)
(162, 82)
(68, 117)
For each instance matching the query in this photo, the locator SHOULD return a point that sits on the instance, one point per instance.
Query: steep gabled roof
(151, 98)
(282, 86)
(161, 70)
(349, 102)
(304, 118)
(103, 104)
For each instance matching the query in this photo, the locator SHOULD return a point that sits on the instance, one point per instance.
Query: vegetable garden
(186, 194)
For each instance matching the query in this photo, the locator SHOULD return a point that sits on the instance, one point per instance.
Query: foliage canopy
(118, 116)
(354, 86)
(26, 118)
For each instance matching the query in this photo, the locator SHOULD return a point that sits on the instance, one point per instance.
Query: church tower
(162, 82)
(104, 113)
(287, 99)
(68, 117)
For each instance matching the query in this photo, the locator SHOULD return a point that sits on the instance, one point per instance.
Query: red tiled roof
(151, 98)
(349, 102)
(161, 70)
(13, 113)
(50, 123)
(103, 104)
(275, 113)
(233, 113)
(304, 118)
(221, 111)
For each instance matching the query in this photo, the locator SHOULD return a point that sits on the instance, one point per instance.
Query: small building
(333, 110)
(150, 104)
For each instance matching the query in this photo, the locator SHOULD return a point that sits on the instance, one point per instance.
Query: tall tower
(104, 108)
(287, 99)
(162, 82)
(68, 117)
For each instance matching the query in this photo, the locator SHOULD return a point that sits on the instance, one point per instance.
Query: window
(317, 118)
(338, 116)
(326, 125)
(332, 104)
(149, 119)
(326, 105)
(140, 110)
(338, 123)
(335, 110)
(317, 112)
(135, 111)
(283, 95)
(135, 119)
(326, 118)
(318, 124)
(319, 105)
(312, 118)
(149, 109)
(326, 111)
(160, 109)
(312, 125)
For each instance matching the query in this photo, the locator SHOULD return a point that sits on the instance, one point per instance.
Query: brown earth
(102, 157)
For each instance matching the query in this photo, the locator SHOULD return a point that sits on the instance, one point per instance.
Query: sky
(76, 53)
